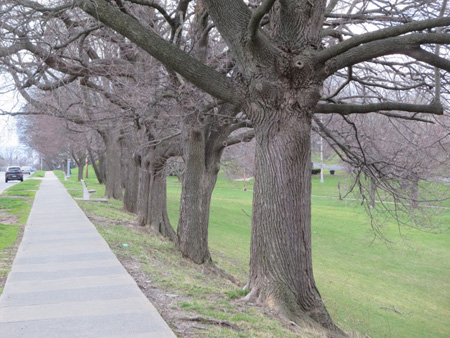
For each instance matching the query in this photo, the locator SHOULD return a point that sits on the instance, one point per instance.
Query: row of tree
(139, 82)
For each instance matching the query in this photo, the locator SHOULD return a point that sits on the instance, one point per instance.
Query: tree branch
(232, 27)
(382, 34)
(430, 58)
(156, 6)
(406, 45)
(409, 118)
(244, 137)
(342, 86)
(200, 75)
(333, 33)
(330, 7)
(44, 9)
(76, 37)
(364, 17)
(437, 75)
(7, 51)
(347, 109)
(114, 99)
(257, 16)
(50, 86)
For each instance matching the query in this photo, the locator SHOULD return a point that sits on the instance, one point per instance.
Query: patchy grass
(195, 301)
(15, 207)
(26, 188)
(182, 291)
(8, 235)
(18, 199)
(39, 173)
(393, 288)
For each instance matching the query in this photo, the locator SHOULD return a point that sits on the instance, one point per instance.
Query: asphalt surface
(65, 281)
(4, 185)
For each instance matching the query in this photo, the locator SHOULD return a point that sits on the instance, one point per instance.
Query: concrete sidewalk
(66, 282)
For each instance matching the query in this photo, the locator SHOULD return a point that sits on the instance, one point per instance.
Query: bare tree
(281, 68)
(283, 54)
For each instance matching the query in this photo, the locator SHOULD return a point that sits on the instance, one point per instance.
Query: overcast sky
(9, 101)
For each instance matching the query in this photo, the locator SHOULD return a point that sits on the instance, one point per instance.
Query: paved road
(66, 283)
(4, 185)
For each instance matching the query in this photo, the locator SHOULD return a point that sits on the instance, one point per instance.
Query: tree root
(284, 307)
(211, 321)
(212, 268)
(160, 229)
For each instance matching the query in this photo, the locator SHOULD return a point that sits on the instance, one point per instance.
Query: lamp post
(321, 154)
(321, 159)
(68, 167)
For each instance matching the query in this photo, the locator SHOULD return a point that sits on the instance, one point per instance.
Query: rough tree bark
(98, 173)
(278, 82)
(192, 232)
(113, 188)
(281, 273)
(129, 172)
(102, 166)
(143, 189)
(80, 172)
(130, 196)
(80, 161)
(203, 145)
(152, 199)
(157, 217)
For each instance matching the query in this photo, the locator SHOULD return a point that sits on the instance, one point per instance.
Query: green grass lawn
(8, 235)
(15, 206)
(394, 288)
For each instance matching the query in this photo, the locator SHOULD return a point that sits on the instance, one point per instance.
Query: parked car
(13, 174)
(26, 170)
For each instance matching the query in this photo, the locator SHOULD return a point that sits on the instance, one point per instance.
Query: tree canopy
(348, 70)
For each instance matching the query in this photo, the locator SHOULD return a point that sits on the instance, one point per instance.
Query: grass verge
(394, 288)
(195, 301)
(15, 207)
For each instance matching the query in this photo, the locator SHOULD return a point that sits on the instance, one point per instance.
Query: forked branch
(257, 16)
(156, 6)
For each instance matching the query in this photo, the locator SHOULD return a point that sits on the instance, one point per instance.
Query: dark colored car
(13, 174)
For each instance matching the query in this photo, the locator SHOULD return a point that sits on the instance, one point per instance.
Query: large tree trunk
(130, 196)
(98, 174)
(152, 197)
(197, 186)
(113, 187)
(281, 273)
(80, 171)
(102, 166)
(203, 147)
(415, 191)
(130, 173)
(80, 161)
(157, 217)
(143, 191)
